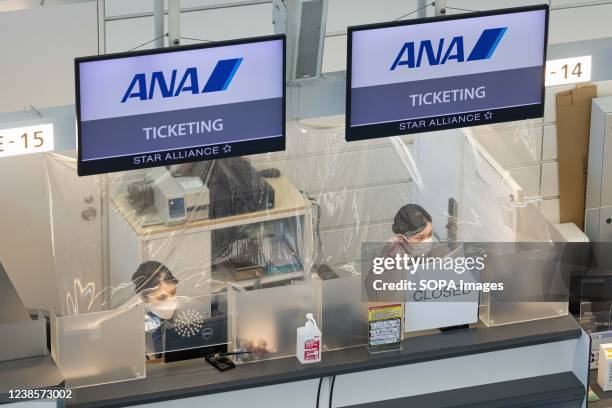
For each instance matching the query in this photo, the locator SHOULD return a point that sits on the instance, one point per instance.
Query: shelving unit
(187, 247)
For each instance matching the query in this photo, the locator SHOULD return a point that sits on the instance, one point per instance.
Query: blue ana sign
(484, 49)
(219, 80)
(177, 105)
(404, 77)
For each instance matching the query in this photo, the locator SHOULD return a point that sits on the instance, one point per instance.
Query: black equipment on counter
(235, 187)
(202, 339)
(221, 362)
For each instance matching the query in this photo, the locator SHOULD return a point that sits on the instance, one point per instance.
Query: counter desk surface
(28, 374)
(289, 201)
(196, 377)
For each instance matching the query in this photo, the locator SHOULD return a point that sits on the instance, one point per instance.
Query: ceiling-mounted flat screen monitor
(446, 72)
(177, 105)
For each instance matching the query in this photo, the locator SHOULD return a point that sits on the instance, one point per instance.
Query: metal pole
(158, 23)
(422, 8)
(101, 27)
(440, 6)
(174, 22)
(104, 235)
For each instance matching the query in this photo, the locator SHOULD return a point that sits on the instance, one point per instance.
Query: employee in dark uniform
(156, 287)
(412, 235)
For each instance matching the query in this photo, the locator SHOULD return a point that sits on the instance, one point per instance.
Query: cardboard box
(573, 125)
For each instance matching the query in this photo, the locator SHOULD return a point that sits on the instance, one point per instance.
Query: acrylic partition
(266, 320)
(535, 288)
(100, 347)
(489, 207)
(344, 314)
(536, 279)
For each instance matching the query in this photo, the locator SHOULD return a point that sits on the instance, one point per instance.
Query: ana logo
(484, 49)
(219, 80)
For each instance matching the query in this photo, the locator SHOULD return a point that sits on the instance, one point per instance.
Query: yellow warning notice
(385, 312)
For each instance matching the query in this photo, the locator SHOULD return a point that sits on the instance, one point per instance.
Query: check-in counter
(540, 363)
(536, 364)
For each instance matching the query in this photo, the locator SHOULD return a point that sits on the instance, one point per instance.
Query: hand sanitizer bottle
(309, 341)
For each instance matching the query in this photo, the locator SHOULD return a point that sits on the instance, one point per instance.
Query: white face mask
(424, 245)
(164, 309)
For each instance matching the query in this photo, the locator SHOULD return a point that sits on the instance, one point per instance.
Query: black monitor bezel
(103, 166)
(538, 111)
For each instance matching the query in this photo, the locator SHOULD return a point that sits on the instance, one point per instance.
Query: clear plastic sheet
(260, 223)
(591, 299)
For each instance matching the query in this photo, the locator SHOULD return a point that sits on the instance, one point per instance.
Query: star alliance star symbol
(488, 115)
(227, 148)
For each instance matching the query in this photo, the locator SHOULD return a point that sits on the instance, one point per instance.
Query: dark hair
(410, 220)
(150, 275)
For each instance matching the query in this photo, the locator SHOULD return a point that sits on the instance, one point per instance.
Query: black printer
(235, 187)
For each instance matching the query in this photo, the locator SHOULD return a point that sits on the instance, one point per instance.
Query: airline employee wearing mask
(413, 235)
(156, 287)
(412, 225)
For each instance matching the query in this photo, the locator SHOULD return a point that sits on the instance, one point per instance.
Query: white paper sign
(568, 70)
(26, 140)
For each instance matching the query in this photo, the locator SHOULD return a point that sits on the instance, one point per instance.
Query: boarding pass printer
(178, 199)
